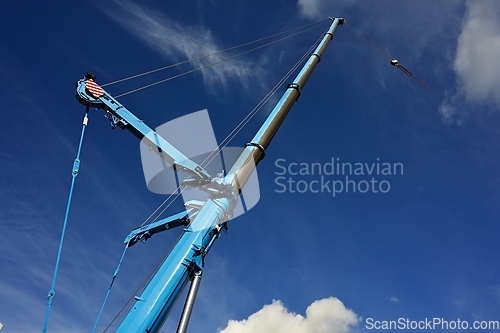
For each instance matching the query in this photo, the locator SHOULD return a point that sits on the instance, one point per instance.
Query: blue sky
(427, 248)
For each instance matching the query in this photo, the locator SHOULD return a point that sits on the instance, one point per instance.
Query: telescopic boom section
(256, 149)
(186, 260)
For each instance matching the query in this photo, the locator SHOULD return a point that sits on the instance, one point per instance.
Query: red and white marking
(94, 88)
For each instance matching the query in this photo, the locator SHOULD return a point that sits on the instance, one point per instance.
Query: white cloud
(315, 9)
(478, 51)
(476, 60)
(309, 8)
(450, 108)
(328, 315)
(182, 42)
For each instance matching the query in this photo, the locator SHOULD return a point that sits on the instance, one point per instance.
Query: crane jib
(186, 260)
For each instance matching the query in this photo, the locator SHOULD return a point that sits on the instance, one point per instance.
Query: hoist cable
(314, 24)
(74, 173)
(208, 65)
(210, 157)
(150, 275)
(158, 208)
(393, 61)
(257, 108)
(240, 126)
(235, 131)
(375, 47)
(242, 123)
(109, 289)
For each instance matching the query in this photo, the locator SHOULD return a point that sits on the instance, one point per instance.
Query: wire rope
(249, 116)
(154, 270)
(109, 289)
(211, 156)
(74, 174)
(314, 24)
(366, 40)
(240, 126)
(208, 65)
(393, 61)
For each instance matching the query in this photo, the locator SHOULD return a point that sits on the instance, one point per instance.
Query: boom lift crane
(203, 222)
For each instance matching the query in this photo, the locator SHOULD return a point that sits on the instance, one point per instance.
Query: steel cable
(208, 65)
(236, 130)
(239, 127)
(211, 156)
(314, 24)
(393, 61)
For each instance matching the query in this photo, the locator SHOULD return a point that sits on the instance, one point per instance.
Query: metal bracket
(115, 121)
(258, 145)
(142, 234)
(216, 188)
(317, 55)
(296, 86)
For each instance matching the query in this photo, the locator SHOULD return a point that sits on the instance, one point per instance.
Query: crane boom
(186, 260)
(91, 95)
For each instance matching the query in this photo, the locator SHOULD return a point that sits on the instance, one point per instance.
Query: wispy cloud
(325, 315)
(476, 61)
(181, 42)
(496, 291)
(392, 299)
(409, 31)
(314, 9)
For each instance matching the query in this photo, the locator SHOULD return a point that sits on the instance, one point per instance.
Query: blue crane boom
(186, 260)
